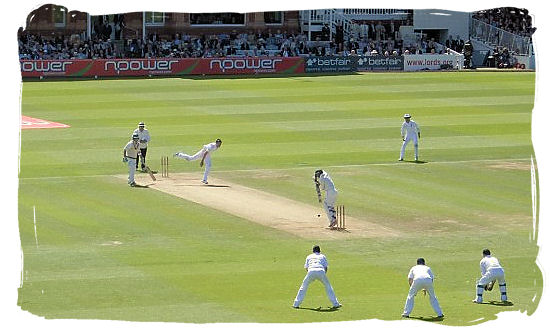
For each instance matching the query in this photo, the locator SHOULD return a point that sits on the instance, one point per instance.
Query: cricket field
(95, 248)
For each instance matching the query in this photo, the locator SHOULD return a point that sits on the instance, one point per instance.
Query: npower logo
(45, 66)
(244, 64)
(140, 65)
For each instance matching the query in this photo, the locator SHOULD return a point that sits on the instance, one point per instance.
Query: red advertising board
(164, 66)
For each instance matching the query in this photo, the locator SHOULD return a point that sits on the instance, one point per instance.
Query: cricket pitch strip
(263, 208)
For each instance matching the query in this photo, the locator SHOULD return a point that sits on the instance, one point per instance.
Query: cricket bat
(318, 190)
(148, 170)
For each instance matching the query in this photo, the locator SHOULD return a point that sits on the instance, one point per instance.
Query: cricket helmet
(141, 124)
(407, 115)
(135, 136)
(318, 172)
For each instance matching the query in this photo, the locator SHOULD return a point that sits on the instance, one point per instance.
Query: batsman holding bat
(323, 181)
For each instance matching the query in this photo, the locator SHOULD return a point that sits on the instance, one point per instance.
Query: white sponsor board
(433, 62)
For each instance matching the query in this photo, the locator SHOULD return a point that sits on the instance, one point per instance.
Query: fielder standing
(129, 155)
(144, 138)
(421, 277)
(491, 271)
(324, 182)
(410, 131)
(316, 267)
(204, 155)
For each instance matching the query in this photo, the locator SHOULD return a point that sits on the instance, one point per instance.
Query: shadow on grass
(412, 161)
(141, 186)
(427, 319)
(499, 303)
(214, 185)
(320, 309)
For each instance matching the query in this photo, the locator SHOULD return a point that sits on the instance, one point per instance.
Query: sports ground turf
(107, 251)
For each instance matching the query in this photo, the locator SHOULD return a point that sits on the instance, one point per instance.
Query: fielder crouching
(421, 278)
(316, 267)
(491, 271)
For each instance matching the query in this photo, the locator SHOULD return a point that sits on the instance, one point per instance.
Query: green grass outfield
(107, 251)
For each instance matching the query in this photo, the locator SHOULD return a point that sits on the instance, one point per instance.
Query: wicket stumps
(164, 166)
(341, 217)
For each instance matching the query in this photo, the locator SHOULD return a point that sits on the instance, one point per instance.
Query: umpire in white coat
(491, 271)
(144, 139)
(410, 131)
(316, 266)
(421, 278)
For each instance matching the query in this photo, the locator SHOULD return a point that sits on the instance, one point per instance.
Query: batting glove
(124, 159)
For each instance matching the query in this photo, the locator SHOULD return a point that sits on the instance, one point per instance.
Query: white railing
(497, 37)
(367, 12)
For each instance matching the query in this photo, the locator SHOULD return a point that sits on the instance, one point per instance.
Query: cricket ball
(318, 215)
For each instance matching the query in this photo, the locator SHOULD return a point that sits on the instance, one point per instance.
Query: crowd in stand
(514, 20)
(380, 40)
(72, 47)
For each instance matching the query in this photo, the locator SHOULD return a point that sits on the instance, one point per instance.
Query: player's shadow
(499, 303)
(343, 230)
(417, 161)
(428, 318)
(214, 185)
(142, 186)
(320, 309)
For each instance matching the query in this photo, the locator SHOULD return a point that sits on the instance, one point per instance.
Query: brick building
(50, 20)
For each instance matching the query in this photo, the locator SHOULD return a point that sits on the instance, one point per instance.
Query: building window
(217, 19)
(273, 17)
(59, 16)
(154, 18)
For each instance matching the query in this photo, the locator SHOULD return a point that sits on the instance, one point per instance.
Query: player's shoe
(476, 301)
(415, 159)
(404, 315)
(400, 159)
(337, 306)
(132, 184)
(204, 182)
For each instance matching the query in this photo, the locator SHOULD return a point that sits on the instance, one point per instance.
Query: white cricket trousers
(131, 170)
(197, 156)
(312, 275)
(492, 274)
(417, 286)
(328, 205)
(414, 138)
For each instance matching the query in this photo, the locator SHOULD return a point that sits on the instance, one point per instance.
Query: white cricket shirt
(420, 272)
(409, 128)
(316, 261)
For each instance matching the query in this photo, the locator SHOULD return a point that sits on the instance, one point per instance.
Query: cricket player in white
(129, 155)
(204, 155)
(325, 183)
(316, 266)
(421, 277)
(144, 139)
(409, 131)
(491, 271)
